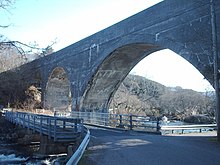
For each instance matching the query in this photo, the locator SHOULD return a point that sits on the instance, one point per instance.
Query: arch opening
(58, 92)
(181, 94)
(111, 74)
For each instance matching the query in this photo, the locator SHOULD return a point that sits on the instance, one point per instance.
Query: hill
(141, 96)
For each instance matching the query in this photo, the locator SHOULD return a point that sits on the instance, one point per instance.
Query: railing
(79, 152)
(58, 128)
(131, 122)
(139, 123)
(188, 128)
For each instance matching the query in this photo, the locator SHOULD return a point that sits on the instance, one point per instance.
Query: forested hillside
(138, 95)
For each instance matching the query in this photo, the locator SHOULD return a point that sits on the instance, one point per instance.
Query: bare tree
(139, 96)
(16, 53)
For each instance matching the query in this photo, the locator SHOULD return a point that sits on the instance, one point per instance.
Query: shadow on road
(109, 147)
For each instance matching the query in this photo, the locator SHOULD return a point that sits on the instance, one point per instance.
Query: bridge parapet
(57, 128)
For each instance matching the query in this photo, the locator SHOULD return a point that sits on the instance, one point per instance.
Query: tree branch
(4, 26)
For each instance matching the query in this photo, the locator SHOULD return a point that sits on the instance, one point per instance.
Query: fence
(58, 128)
(131, 122)
(139, 123)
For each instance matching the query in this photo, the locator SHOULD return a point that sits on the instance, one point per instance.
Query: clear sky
(68, 21)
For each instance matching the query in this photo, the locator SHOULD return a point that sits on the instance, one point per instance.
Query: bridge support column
(48, 146)
(217, 90)
(216, 66)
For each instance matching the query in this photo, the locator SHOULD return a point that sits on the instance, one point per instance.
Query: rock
(199, 119)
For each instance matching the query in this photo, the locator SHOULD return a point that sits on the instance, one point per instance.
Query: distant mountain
(138, 95)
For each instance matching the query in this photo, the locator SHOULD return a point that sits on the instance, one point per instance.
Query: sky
(68, 21)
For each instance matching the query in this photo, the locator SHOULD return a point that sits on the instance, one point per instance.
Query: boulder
(199, 119)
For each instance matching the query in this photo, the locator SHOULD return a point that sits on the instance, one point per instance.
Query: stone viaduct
(86, 74)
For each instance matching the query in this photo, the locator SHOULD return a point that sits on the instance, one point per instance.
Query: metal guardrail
(58, 128)
(182, 128)
(79, 152)
(131, 122)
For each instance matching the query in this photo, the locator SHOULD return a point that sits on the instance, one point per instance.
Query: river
(11, 153)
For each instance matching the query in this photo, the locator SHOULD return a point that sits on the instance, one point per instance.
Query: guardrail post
(16, 118)
(41, 125)
(75, 125)
(8, 116)
(120, 120)
(158, 125)
(64, 124)
(55, 128)
(130, 121)
(34, 123)
(106, 119)
(12, 117)
(49, 127)
(23, 118)
(28, 121)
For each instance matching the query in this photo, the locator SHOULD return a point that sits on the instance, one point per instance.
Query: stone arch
(116, 66)
(58, 91)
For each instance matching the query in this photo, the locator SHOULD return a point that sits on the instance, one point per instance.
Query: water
(12, 158)
(11, 153)
(15, 159)
(14, 154)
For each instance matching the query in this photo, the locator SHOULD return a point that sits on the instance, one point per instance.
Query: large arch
(58, 92)
(115, 67)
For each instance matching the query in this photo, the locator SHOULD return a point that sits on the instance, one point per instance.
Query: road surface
(111, 147)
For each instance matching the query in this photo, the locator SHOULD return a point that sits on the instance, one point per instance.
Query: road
(111, 147)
